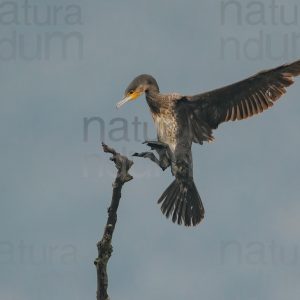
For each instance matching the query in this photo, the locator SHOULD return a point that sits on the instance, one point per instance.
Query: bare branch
(123, 164)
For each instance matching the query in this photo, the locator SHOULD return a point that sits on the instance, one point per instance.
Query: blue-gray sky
(55, 185)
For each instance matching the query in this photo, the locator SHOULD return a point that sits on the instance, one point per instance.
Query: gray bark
(123, 164)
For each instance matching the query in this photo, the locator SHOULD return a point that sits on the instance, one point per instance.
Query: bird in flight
(182, 120)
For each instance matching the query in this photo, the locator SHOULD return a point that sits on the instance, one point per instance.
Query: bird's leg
(149, 155)
(163, 161)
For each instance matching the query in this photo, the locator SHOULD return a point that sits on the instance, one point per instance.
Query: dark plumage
(181, 120)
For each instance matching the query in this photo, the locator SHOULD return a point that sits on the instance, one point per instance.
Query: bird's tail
(182, 201)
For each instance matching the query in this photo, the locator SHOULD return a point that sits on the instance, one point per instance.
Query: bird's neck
(154, 100)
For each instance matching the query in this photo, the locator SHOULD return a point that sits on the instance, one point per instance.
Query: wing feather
(243, 99)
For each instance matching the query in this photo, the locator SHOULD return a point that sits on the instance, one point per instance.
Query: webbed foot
(156, 145)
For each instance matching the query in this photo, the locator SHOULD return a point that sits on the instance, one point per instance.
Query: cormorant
(181, 120)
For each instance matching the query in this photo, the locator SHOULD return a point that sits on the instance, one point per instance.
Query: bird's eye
(131, 92)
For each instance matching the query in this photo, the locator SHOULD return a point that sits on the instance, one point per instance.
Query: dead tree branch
(123, 164)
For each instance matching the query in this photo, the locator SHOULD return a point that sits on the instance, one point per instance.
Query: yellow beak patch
(129, 97)
(133, 95)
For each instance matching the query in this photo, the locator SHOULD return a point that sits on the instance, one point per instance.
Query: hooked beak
(128, 98)
(123, 101)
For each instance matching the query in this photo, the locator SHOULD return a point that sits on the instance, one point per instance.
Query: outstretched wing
(242, 99)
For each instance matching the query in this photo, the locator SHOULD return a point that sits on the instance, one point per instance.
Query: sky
(64, 66)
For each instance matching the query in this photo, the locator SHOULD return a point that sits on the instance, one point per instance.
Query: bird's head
(141, 84)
